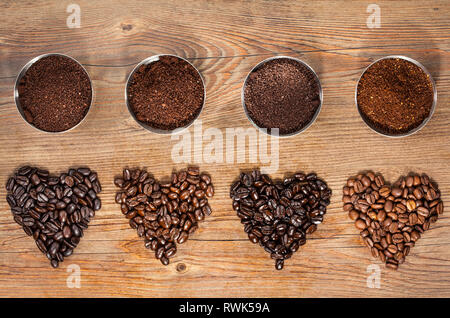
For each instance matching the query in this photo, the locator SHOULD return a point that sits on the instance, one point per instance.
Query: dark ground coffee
(55, 93)
(282, 93)
(395, 96)
(166, 94)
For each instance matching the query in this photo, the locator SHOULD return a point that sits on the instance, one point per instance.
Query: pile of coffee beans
(54, 210)
(279, 215)
(392, 218)
(164, 214)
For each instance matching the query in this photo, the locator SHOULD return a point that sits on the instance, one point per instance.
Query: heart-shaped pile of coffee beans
(164, 214)
(392, 218)
(278, 215)
(54, 210)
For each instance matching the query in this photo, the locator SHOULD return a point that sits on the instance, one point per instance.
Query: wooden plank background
(224, 39)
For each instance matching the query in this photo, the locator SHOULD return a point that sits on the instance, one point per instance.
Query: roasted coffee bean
(69, 181)
(360, 224)
(67, 232)
(164, 260)
(183, 237)
(45, 207)
(278, 215)
(397, 215)
(164, 213)
(54, 262)
(97, 204)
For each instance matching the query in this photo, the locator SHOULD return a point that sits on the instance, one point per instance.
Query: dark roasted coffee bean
(84, 171)
(277, 209)
(11, 201)
(69, 181)
(97, 204)
(279, 263)
(35, 179)
(10, 184)
(54, 263)
(68, 252)
(67, 232)
(164, 260)
(78, 192)
(58, 236)
(41, 245)
(97, 186)
(53, 249)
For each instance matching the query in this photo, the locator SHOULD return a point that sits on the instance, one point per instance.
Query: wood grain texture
(224, 39)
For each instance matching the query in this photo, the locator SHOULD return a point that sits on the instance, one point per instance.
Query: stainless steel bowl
(150, 60)
(259, 65)
(433, 106)
(23, 72)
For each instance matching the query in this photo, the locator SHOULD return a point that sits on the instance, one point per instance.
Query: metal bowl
(24, 71)
(150, 60)
(258, 66)
(426, 120)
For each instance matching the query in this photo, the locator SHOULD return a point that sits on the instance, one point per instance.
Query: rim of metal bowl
(258, 66)
(152, 59)
(22, 73)
(433, 106)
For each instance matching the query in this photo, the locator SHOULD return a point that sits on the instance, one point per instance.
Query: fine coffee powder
(166, 94)
(55, 93)
(283, 93)
(395, 96)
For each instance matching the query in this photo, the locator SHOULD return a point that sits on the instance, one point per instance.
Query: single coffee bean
(183, 237)
(279, 263)
(164, 260)
(360, 224)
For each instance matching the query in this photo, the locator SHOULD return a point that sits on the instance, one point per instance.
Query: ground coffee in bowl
(53, 93)
(283, 93)
(396, 96)
(165, 92)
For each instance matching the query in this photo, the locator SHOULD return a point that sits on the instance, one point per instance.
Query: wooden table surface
(224, 39)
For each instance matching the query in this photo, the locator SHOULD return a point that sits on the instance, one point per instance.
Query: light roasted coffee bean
(391, 218)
